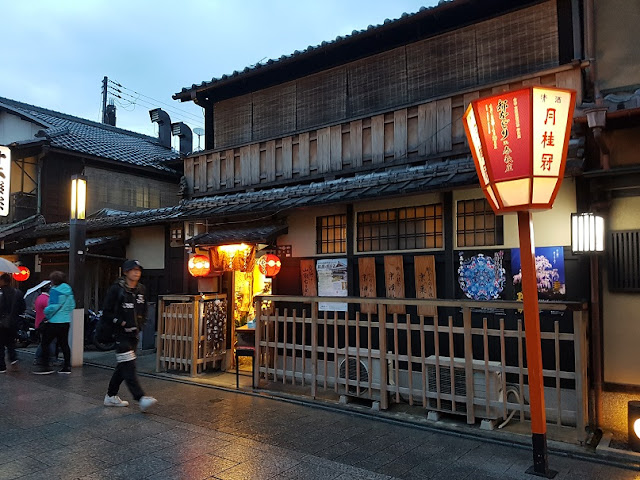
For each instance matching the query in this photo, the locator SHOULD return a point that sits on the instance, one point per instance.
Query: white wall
(147, 245)
(621, 311)
(13, 129)
(302, 229)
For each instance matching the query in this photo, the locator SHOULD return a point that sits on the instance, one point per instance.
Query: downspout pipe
(590, 49)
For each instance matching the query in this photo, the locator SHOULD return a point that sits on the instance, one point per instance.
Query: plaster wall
(13, 129)
(147, 244)
(621, 311)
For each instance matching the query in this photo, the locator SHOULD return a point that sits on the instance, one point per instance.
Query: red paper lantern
(199, 266)
(23, 274)
(269, 265)
(519, 142)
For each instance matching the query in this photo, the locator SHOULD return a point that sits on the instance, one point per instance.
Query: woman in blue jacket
(57, 320)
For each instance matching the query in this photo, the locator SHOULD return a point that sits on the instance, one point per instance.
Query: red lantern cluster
(269, 265)
(199, 266)
(22, 275)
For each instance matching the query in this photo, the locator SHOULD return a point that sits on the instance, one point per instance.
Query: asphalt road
(55, 426)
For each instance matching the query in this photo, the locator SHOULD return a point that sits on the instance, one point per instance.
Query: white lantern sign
(5, 180)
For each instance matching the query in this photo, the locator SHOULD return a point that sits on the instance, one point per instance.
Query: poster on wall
(332, 282)
(549, 272)
(481, 277)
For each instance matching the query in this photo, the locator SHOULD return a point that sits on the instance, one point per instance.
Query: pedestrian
(126, 307)
(42, 301)
(56, 323)
(11, 307)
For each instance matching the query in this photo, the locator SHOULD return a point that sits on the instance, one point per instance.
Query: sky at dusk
(55, 54)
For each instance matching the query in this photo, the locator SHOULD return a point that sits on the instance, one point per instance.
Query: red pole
(534, 347)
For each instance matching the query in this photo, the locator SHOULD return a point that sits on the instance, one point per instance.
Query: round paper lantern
(269, 265)
(23, 274)
(199, 266)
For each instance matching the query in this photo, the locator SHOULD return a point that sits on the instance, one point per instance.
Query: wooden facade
(428, 130)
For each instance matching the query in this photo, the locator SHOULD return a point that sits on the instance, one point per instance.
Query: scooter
(91, 320)
(26, 331)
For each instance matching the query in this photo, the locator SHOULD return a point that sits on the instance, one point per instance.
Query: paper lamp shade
(519, 143)
(269, 265)
(23, 275)
(199, 266)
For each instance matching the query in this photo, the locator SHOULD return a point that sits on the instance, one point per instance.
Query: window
(406, 228)
(176, 236)
(478, 226)
(331, 234)
(624, 261)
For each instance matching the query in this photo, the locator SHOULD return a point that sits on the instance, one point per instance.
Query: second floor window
(407, 228)
(331, 234)
(477, 225)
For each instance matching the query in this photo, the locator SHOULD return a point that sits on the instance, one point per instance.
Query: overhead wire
(169, 106)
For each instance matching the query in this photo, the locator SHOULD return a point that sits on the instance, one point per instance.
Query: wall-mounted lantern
(199, 265)
(269, 265)
(587, 233)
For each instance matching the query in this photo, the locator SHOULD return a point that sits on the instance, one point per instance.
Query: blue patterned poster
(482, 277)
(549, 272)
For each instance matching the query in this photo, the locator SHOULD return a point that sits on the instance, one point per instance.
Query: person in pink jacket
(40, 304)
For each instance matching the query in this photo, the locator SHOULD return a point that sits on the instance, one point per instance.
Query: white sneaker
(146, 402)
(114, 401)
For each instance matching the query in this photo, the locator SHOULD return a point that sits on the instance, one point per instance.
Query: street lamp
(77, 236)
(519, 143)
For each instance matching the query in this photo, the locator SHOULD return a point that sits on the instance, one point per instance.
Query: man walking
(56, 323)
(126, 307)
(11, 307)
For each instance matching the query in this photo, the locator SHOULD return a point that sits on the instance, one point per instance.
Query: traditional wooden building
(357, 146)
(125, 171)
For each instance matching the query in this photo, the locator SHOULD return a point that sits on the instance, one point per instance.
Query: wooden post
(159, 351)
(468, 364)
(384, 374)
(195, 336)
(533, 347)
(580, 349)
(258, 359)
(314, 348)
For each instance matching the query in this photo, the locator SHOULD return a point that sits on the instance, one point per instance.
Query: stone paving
(55, 427)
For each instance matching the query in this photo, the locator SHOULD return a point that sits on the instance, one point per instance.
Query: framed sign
(332, 282)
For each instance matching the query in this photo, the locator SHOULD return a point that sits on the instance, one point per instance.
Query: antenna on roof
(199, 132)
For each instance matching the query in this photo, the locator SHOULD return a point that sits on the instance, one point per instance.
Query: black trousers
(8, 341)
(126, 370)
(59, 332)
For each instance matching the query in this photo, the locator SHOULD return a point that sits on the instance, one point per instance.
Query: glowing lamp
(22, 275)
(269, 265)
(587, 233)
(519, 143)
(199, 266)
(633, 419)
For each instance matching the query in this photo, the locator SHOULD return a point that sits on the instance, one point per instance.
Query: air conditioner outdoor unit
(481, 388)
(352, 360)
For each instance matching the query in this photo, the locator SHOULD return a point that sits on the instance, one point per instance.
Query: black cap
(130, 265)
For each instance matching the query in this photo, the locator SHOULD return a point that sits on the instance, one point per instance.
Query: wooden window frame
(331, 234)
(477, 225)
(405, 228)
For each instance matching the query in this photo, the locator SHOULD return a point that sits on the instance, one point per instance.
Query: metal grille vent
(353, 366)
(624, 261)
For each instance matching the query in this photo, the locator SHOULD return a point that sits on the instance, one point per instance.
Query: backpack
(105, 329)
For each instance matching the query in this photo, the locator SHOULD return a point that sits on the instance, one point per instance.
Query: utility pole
(104, 100)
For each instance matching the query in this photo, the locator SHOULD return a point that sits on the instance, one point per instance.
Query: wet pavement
(55, 427)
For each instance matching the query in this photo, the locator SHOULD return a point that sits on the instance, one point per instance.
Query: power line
(144, 103)
(184, 112)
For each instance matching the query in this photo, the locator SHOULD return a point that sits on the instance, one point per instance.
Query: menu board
(332, 282)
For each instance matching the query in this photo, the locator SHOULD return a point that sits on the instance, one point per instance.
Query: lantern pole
(534, 347)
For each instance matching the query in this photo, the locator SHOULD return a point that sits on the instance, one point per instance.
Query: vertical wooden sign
(394, 281)
(367, 270)
(425, 268)
(308, 278)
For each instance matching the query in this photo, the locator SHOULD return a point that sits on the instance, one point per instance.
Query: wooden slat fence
(467, 362)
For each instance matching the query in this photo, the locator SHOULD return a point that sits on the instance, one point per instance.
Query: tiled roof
(93, 138)
(62, 246)
(309, 50)
(10, 229)
(251, 234)
(393, 182)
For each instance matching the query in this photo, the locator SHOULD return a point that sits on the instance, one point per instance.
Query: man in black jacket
(126, 306)
(11, 307)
